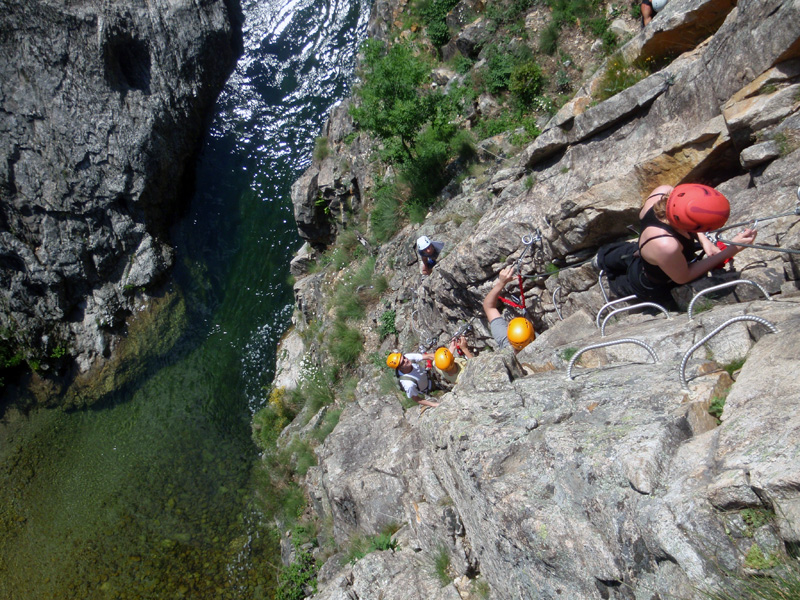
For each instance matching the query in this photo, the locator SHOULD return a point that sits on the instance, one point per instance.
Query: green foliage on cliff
(294, 580)
(394, 106)
(527, 83)
(10, 358)
(360, 546)
(414, 122)
(566, 13)
(434, 13)
(782, 582)
(620, 75)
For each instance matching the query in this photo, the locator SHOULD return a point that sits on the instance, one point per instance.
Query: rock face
(615, 482)
(103, 106)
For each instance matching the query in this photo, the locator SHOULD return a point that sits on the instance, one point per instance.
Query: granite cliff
(537, 477)
(102, 110)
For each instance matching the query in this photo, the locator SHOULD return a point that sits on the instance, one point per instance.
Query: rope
(755, 222)
(528, 241)
(521, 303)
(759, 246)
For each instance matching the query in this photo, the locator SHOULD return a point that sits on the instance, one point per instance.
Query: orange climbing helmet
(520, 333)
(393, 360)
(443, 359)
(696, 207)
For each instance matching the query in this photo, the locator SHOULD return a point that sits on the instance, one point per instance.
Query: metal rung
(772, 328)
(631, 307)
(722, 286)
(609, 304)
(602, 287)
(555, 302)
(612, 343)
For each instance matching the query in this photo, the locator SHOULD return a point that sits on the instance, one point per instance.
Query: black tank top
(688, 246)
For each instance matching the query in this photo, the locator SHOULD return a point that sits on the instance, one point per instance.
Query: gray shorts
(499, 329)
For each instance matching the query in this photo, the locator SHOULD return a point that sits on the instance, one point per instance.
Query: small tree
(394, 105)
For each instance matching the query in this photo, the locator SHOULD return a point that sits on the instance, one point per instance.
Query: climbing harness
(519, 302)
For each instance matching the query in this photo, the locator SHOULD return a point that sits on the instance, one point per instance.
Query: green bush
(394, 104)
(293, 580)
(462, 65)
(328, 425)
(347, 343)
(619, 75)
(434, 13)
(438, 33)
(527, 82)
(386, 325)
(755, 518)
(504, 14)
(321, 150)
(733, 366)
(361, 546)
(385, 215)
(599, 27)
(425, 173)
(499, 66)
(364, 275)
(304, 456)
(273, 418)
(348, 304)
(509, 121)
(567, 353)
(381, 285)
(548, 38)
(316, 390)
(716, 406)
(565, 13)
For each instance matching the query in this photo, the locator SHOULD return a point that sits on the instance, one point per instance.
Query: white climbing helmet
(658, 5)
(423, 242)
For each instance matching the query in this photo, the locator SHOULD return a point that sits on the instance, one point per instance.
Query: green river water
(151, 494)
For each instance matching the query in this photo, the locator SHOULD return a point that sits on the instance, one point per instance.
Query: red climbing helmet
(696, 207)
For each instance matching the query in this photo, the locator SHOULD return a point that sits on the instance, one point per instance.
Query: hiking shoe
(595, 263)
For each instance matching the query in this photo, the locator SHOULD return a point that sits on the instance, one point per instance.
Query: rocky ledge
(607, 478)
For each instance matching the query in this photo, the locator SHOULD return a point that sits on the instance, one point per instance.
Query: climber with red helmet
(672, 223)
(517, 333)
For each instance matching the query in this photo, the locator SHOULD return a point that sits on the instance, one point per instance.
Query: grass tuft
(441, 566)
